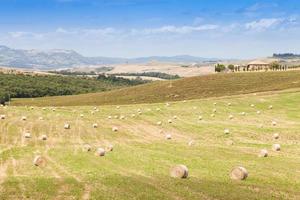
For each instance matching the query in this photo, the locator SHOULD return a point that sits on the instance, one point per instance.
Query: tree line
(29, 86)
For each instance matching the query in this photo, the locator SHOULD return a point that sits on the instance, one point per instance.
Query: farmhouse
(258, 65)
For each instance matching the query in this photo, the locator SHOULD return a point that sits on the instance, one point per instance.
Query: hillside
(139, 165)
(61, 58)
(188, 88)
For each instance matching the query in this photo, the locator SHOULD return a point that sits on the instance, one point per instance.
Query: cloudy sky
(133, 28)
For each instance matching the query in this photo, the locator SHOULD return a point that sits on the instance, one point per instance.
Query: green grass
(138, 168)
(215, 85)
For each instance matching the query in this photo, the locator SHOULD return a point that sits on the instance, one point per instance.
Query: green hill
(215, 85)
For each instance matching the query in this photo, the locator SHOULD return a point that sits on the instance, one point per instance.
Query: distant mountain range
(59, 58)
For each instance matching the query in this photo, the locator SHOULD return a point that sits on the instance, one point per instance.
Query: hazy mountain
(58, 58)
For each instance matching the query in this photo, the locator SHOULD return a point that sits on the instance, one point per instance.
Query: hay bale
(39, 161)
(167, 104)
(229, 142)
(133, 115)
(53, 109)
(122, 117)
(229, 104)
(243, 113)
(109, 117)
(191, 142)
(41, 118)
(159, 123)
(179, 171)
(276, 147)
(31, 108)
(24, 118)
(81, 115)
(44, 108)
(157, 109)
(230, 116)
(239, 173)
(252, 105)
(27, 135)
(67, 126)
(174, 117)
(92, 112)
(200, 117)
(212, 115)
(258, 112)
(276, 136)
(168, 136)
(44, 137)
(95, 125)
(118, 107)
(2, 116)
(109, 148)
(86, 148)
(274, 123)
(226, 131)
(214, 110)
(215, 103)
(115, 129)
(195, 107)
(270, 107)
(100, 152)
(263, 153)
(170, 121)
(116, 117)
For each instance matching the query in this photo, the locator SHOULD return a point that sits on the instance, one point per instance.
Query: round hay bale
(263, 153)
(195, 107)
(133, 115)
(2, 116)
(191, 142)
(44, 108)
(167, 104)
(24, 118)
(39, 161)
(116, 117)
(258, 112)
(31, 108)
(27, 135)
(92, 112)
(276, 136)
(226, 131)
(95, 108)
(157, 109)
(81, 115)
(276, 147)
(184, 101)
(243, 113)
(86, 148)
(229, 104)
(44, 137)
(215, 104)
(53, 109)
(200, 117)
(270, 107)
(109, 148)
(109, 117)
(170, 121)
(274, 123)
(100, 152)
(118, 107)
(159, 123)
(174, 117)
(212, 115)
(168, 136)
(67, 126)
(115, 129)
(230, 116)
(95, 125)
(179, 171)
(122, 117)
(214, 110)
(238, 173)
(41, 118)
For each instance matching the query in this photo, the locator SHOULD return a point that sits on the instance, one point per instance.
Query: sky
(135, 28)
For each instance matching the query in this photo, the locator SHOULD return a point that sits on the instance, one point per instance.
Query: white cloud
(264, 24)
(22, 34)
(175, 29)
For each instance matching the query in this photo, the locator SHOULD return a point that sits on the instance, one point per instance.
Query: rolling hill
(215, 85)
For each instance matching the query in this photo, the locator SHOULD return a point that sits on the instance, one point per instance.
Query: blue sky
(132, 28)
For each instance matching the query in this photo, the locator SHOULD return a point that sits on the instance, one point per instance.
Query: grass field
(138, 167)
(215, 85)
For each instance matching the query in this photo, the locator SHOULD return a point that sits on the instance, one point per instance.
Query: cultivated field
(138, 167)
(215, 85)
